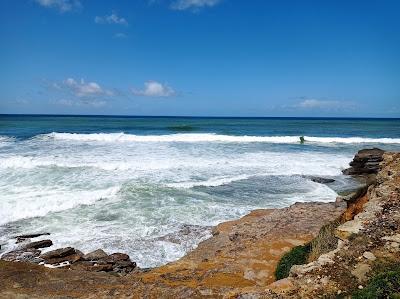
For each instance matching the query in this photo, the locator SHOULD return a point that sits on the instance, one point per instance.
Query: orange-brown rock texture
(240, 259)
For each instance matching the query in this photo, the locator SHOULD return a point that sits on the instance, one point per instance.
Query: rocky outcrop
(365, 162)
(367, 242)
(38, 244)
(71, 258)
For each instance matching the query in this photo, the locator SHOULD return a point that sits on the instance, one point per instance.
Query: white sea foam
(5, 140)
(212, 182)
(210, 137)
(27, 202)
(216, 169)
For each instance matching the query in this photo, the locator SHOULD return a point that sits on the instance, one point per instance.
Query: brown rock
(61, 252)
(95, 255)
(30, 236)
(366, 161)
(70, 258)
(89, 266)
(115, 257)
(39, 244)
(24, 255)
(22, 238)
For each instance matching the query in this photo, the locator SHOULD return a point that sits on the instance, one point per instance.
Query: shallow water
(152, 187)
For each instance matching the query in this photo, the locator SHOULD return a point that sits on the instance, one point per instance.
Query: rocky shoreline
(240, 259)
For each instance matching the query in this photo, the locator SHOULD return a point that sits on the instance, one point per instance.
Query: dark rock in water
(95, 255)
(39, 244)
(21, 238)
(320, 180)
(366, 161)
(115, 257)
(30, 255)
(61, 252)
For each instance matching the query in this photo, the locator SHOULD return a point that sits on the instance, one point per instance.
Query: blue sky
(200, 57)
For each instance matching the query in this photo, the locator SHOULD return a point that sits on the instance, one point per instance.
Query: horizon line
(192, 116)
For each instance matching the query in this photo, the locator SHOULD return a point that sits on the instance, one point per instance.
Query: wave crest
(211, 137)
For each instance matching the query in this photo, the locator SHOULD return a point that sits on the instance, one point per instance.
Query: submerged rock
(320, 180)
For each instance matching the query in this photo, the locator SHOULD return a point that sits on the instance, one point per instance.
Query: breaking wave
(210, 137)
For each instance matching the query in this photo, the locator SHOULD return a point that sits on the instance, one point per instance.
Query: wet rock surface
(22, 238)
(320, 180)
(39, 244)
(71, 258)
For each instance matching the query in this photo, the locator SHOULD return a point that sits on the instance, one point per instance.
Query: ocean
(153, 187)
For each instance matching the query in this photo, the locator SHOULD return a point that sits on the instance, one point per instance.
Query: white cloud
(83, 89)
(61, 5)
(310, 103)
(193, 4)
(80, 103)
(155, 89)
(111, 19)
(120, 35)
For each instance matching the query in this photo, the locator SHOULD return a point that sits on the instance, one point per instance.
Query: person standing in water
(302, 140)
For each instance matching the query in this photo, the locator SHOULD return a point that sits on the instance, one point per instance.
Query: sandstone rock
(30, 255)
(69, 258)
(89, 266)
(366, 161)
(61, 252)
(124, 266)
(95, 255)
(115, 257)
(39, 244)
(394, 238)
(348, 228)
(369, 256)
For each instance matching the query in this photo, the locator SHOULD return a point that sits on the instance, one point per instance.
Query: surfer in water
(302, 140)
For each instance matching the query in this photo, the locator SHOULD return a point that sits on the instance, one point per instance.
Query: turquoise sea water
(153, 186)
